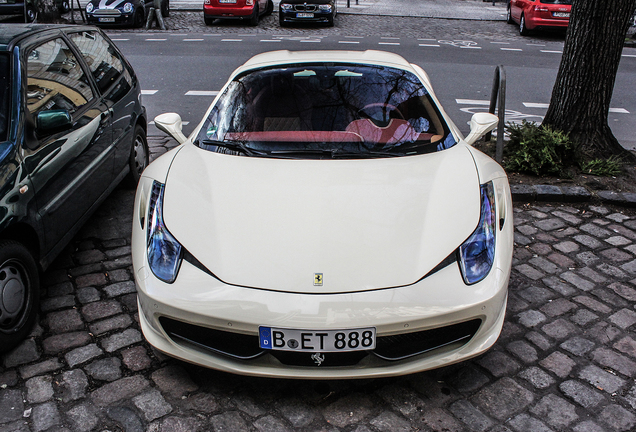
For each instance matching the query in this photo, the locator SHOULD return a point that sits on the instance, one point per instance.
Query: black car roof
(13, 32)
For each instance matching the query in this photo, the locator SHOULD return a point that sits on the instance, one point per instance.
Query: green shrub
(538, 149)
(603, 167)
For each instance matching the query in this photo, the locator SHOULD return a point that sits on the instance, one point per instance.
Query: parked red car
(250, 10)
(534, 14)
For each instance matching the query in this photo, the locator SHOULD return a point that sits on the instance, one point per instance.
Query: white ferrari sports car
(326, 219)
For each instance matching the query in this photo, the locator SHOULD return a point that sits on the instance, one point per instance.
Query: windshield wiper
(333, 153)
(230, 145)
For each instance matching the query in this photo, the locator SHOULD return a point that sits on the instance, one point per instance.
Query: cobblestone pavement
(566, 360)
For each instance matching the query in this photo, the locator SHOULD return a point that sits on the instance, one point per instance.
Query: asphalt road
(566, 360)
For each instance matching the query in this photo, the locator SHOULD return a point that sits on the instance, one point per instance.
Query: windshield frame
(6, 96)
(450, 135)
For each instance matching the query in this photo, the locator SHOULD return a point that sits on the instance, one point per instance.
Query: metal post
(348, 3)
(498, 97)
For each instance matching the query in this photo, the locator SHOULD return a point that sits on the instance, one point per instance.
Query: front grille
(305, 8)
(388, 348)
(406, 345)
(107, 13)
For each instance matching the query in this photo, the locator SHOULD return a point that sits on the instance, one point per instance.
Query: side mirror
(480, 125)
(53, 121)
(171, 124)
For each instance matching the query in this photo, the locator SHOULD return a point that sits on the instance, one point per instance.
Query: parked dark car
(122, 12)
(28, 9)
(72, 127)
(315, 11)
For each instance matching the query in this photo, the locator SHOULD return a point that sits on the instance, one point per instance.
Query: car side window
(55, 79)
(104, 62)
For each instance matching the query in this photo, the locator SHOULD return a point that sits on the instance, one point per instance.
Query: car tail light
(249, 2)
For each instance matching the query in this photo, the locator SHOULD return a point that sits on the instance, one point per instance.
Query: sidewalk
(449, 9)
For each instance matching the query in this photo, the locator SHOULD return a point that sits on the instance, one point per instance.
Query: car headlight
(477, 254)
(325, 7)
(89, 8)
(286, 7)
(128, 7)
(164, 251)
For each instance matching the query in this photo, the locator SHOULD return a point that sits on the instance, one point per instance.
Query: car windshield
(5, 96)
(325, 110)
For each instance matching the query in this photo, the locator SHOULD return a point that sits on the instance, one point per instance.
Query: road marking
(193, 40)
(622, 55)
(118, 40)
(231, 40)
(427, 39)
(348, 42)
(545, 106)
(552, 52)
(390, 38)
(511, 49)
(388, 43)
(535, 44)
(156, 40)
(429, 45)
(355, 37)
(271, 40)
(472, 102)
(470, 47)
(149, 92)
(500, 43)
(310, 40)
(201, 93)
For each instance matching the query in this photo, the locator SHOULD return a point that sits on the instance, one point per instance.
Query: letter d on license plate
(317, 340)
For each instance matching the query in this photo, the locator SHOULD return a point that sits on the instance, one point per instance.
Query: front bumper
(237, 312)
(111, 18)
(296, 17)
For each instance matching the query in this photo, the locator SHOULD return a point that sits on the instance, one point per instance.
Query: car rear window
(5, 96)
(310, 110)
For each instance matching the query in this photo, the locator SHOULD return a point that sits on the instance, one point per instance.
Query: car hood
(362, 224)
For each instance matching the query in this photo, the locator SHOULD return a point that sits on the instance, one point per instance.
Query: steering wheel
(383, 108)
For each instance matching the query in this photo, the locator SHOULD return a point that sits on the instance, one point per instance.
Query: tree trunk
(584, 85)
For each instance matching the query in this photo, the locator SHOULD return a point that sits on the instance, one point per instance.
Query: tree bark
(585, 82)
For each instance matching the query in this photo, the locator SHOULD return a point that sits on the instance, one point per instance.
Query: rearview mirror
(53, 121)
(171, 124)
(480, 125)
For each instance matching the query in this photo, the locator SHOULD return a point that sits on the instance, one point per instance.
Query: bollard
(499, 95)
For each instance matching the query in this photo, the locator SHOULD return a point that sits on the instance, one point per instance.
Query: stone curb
(569, 194)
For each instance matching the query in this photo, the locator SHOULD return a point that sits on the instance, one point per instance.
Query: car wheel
(19, 290)
(31, 13)
(523, 30)
(255, 17)
(139, 18)
(165, 9)
(139, 157)
(64, 7)
(281, 21)
(330, 20)
(208, 20)
(509, 16)
(270, 7)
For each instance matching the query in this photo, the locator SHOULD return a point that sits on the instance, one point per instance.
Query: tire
(270, 7)
(31, 14)
(330, 21)
(64, 7)
(165, 9)
(139, 19)
(139, 157)
(509, 19)
(281, 21)
(208, 20)
(255, 16)
(20, 284)
(523, 30)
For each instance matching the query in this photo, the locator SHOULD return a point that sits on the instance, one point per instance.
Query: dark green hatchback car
(72, 127)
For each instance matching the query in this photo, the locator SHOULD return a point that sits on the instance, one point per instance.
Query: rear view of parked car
(538, 14)
(313, 11)
(249, 10)
(72, 127)
(28, 9)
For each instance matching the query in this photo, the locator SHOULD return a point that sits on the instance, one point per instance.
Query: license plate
(107, 20)
(227, 1)
(304, 15)
(280, 339)
(561, 14)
